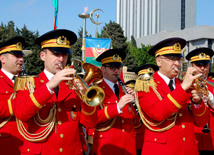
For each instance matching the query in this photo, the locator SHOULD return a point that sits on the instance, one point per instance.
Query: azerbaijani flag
(55, 4)
(94, 47)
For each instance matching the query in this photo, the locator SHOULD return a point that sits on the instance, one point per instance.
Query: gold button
(183, 126)
(123, 130)
(42, 81)
(61, 149)
(7, 92)
(61, 135)
(100, 135)
(184, 138)
(116, 101)
(1, 76)
(108, 102)
(180, 114)
(155, 139)
(122, 121)
(59, 109)
(28, 150)
(0, 135)
(59, 122)
(103, 87)
(74, 106)
(81, 150)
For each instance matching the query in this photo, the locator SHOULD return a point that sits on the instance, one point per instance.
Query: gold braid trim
(89, 113)
(10, 107)
(38, 137)
(106, 128)
(202, 112)
(143, 84)
(136, 127)
(24, 83)
(12, 96)
(48, 123)
(6, 120)
(174, 101)
(35, 101)
(147, 123)
(106, 113)
(111, 121)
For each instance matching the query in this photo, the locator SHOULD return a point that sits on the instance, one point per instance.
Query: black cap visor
(16, 53)
(174, 55)
(60, 50)
(202, 62)
(114, 64)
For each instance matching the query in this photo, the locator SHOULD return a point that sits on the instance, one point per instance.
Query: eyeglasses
(173, 59)
(113, 68)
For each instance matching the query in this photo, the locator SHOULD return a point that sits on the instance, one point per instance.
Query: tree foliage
(141, 55)
(115, 32)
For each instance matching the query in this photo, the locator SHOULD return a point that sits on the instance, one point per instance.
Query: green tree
(115, 32)
(8, 31)
(33, 63)
(141, 55)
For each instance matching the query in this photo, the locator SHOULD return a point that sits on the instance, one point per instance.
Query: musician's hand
(128, 98)
(196, 96)
(63, 75)
(130, 90)
(78, 85)
(189, 78)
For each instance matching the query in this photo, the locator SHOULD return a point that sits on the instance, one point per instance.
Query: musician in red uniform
(200, 59)
(165, 102)
(145, 70)
(11, 57)
(114, 133)
(49, 119)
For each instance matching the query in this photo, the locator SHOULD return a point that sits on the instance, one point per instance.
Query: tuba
(91, 94)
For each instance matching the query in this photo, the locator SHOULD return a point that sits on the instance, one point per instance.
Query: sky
(39, 14)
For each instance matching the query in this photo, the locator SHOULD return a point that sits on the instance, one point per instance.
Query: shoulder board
(143, 84)
(24, 83)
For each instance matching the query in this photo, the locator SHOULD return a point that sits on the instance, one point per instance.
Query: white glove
(210, 100)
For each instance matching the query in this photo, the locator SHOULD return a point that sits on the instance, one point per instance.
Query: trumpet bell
(94, 96)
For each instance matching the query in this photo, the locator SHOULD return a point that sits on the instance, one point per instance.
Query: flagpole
(84, 16)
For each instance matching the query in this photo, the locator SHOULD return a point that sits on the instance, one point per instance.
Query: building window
(182, 14)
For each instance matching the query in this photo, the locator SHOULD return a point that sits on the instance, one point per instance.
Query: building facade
(139, 18)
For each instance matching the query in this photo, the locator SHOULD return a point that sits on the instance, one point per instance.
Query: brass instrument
(92, 95)
(200, 83)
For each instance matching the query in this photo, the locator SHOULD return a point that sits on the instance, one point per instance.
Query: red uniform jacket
(206, 140)
(139, 133)
(10, 139)
(180, 139)
(67, 136)
(120, 138)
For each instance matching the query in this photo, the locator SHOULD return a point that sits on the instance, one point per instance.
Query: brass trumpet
(201, 83)
(91, 94)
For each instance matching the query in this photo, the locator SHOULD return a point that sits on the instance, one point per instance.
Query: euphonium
(91, 94)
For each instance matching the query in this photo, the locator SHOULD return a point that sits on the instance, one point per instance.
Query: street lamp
(84, 16)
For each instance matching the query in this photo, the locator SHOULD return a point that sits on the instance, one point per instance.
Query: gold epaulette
(143, 83)
(24, 83)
